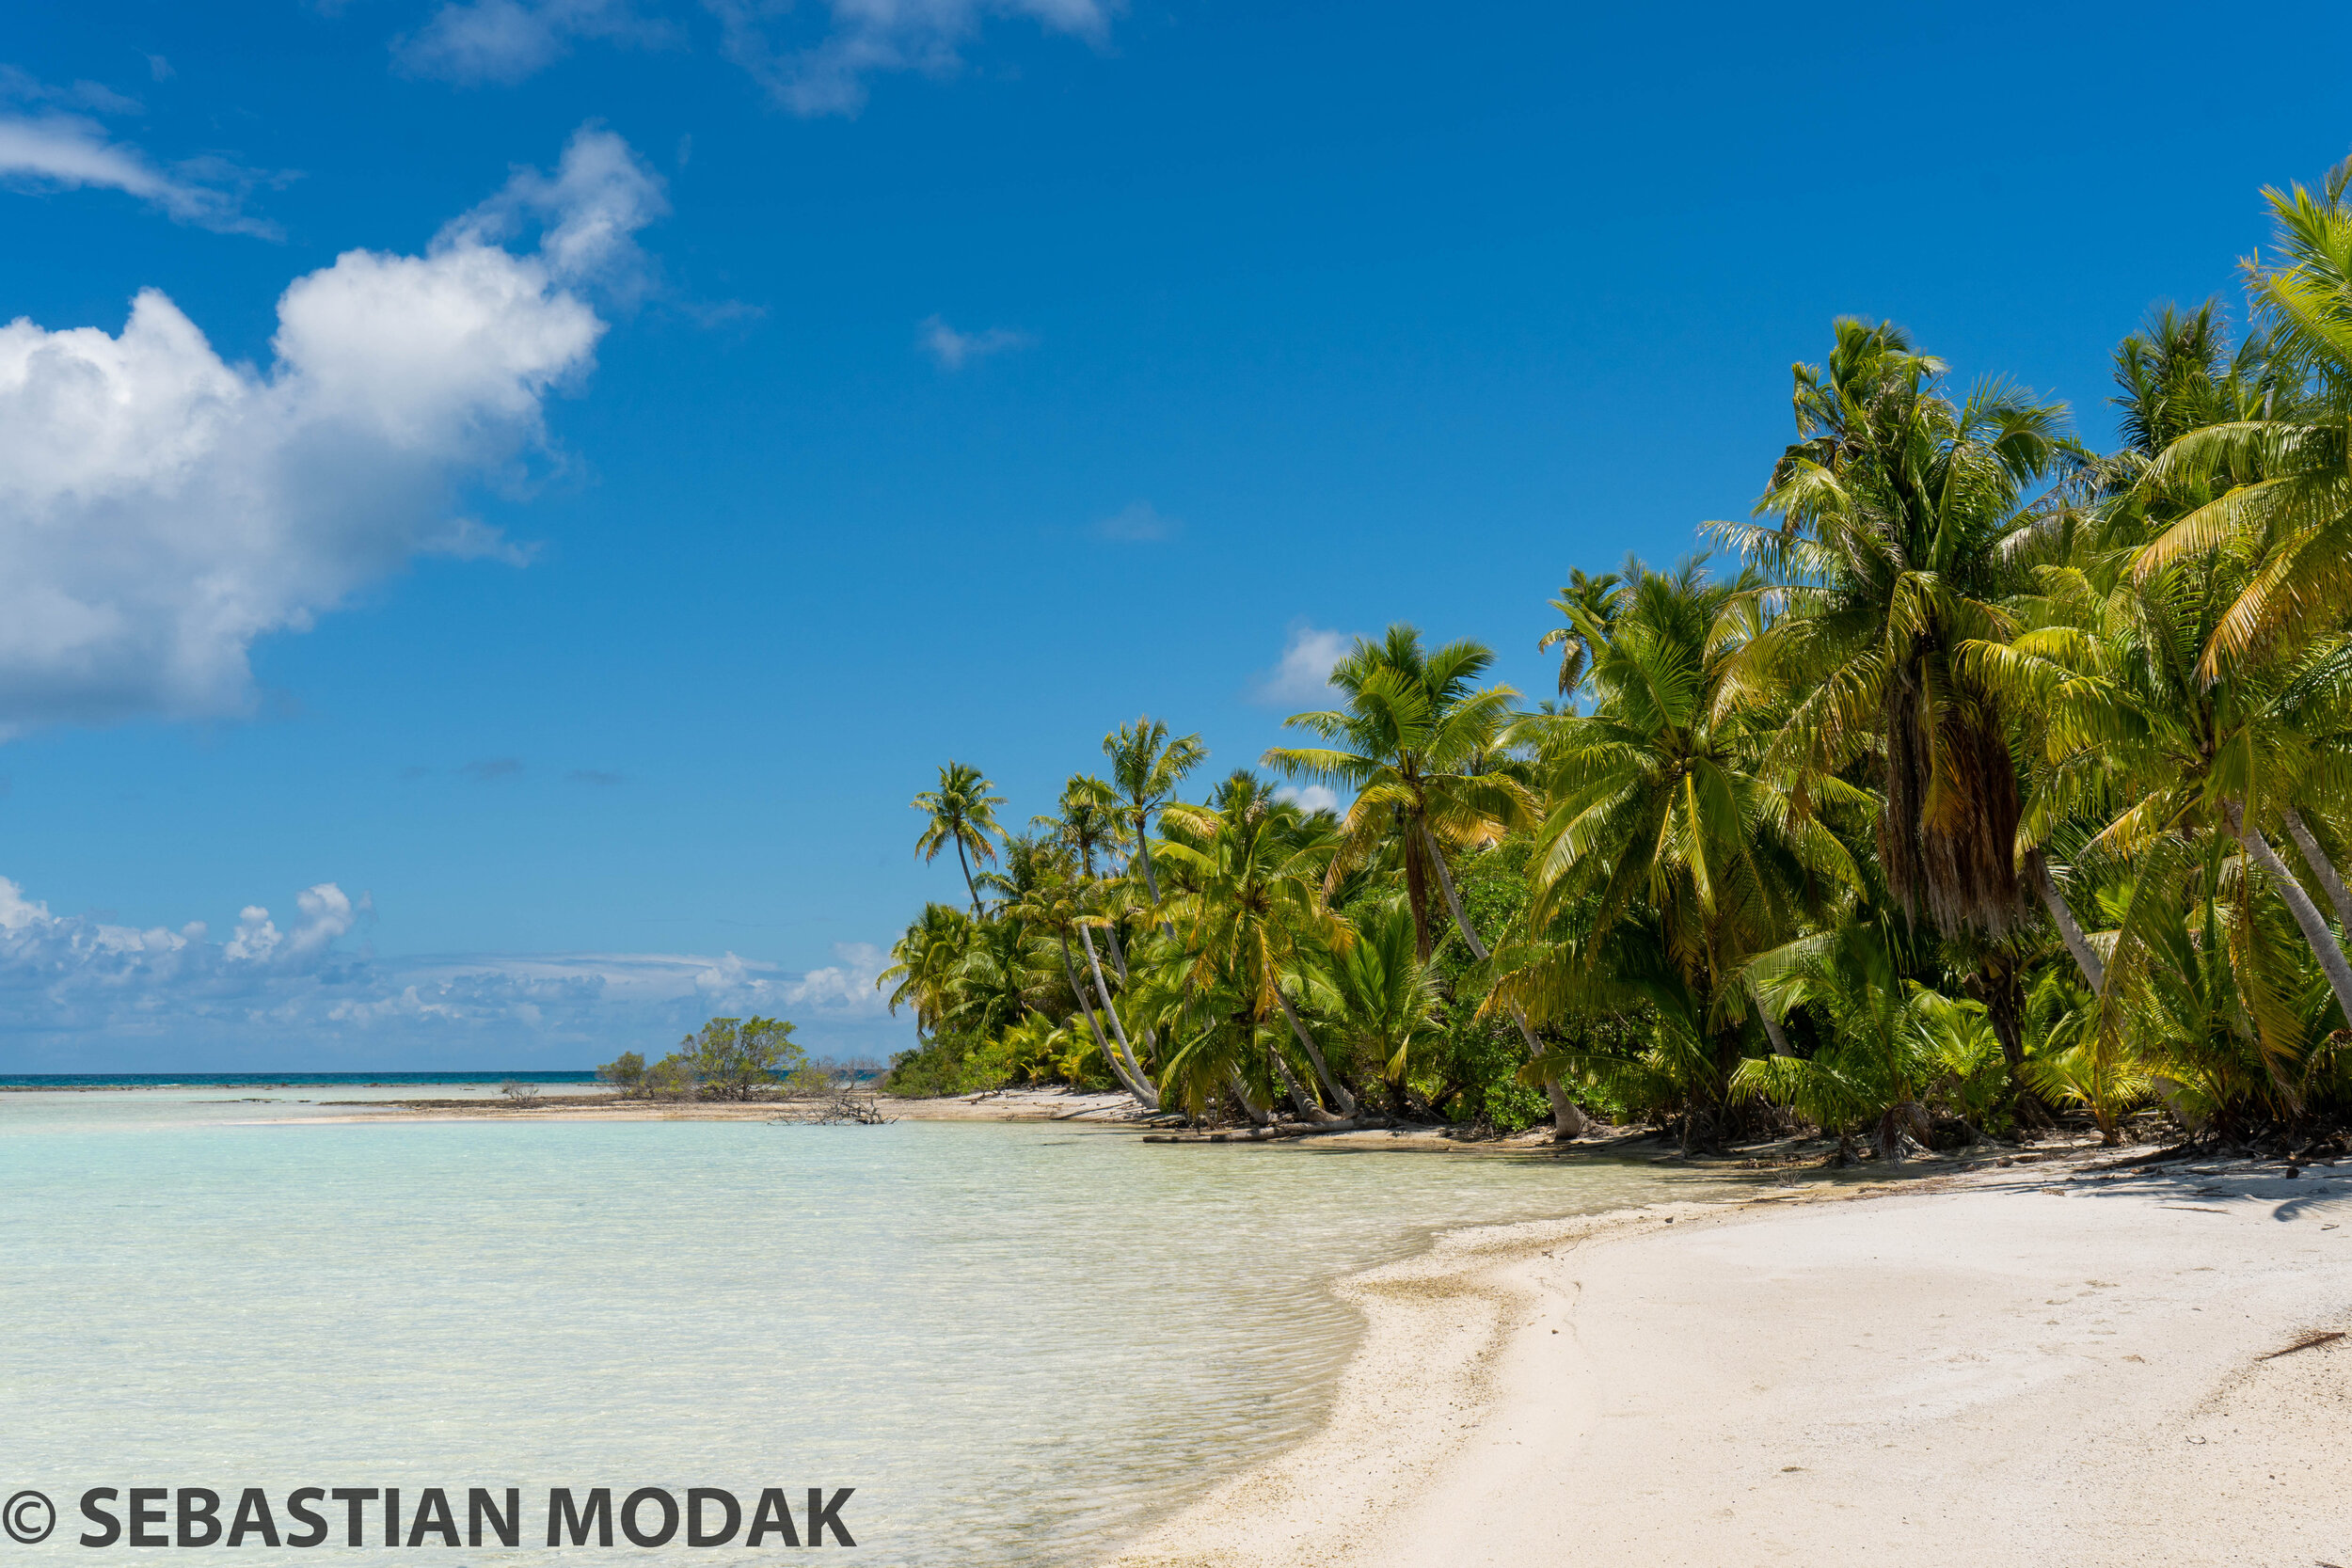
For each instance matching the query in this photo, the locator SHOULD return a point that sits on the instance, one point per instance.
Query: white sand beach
(2030, 1366)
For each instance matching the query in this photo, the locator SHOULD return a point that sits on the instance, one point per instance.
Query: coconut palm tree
(925, 962)
(963, 813)
(1088, 818)
(2282, 474)
(1894, 510)
(1409, 744)
(1054, 903)
(1146, 768)
(1387, 1001)
(1880, 1059)
(1658, 807)
(1586, 597)
(1418, 744)
(1250, 907)
(2141, 739)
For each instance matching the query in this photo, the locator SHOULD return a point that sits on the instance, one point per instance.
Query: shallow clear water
(1020, 1342)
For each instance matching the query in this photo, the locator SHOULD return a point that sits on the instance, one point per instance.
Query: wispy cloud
(1138, 522)
(954, 349)
(52, 152)
(472, 41)
(22, 87)
(491, 769)
(828, 74)
(49, 142)
(809, 60)
(1303, 675)
(472, 539)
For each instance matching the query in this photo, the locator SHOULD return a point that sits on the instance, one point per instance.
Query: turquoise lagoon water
(1021, 1343)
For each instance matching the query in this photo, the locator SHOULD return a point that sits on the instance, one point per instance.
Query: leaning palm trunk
(1303, 1103)
(2086, 955)
(1331, 1086)
(2306, 916)
(1151, 1100)
(2321, 867)
(1119, 961)
(1137, 1086)
(1257, 1112)
(1771, 1025)
(1569, 1120)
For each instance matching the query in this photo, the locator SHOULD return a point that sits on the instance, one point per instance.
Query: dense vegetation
(1997, 779)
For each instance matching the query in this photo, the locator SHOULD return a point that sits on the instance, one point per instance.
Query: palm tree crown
(963, 813)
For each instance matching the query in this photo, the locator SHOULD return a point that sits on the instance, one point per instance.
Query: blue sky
(731, 412)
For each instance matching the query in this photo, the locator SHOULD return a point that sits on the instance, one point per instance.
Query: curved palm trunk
(1151, 1099)
(1331, 1086)
(2321, 867)
(968, 885)
(1258, 1115)
(1118, 1066)
(2086, 957)
(1119, 962)
(1569, 1120)
(1303, 1103)
(2306, 916)
(1771, 1024)
(1143, 853)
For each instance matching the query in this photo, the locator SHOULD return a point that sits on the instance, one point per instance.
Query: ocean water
(280, 1080)
(1021, 1343)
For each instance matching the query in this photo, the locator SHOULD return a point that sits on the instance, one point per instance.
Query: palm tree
(1584, 597)
(1054, 902)
(1409, 745)
(2283, 472)
(1146, 768)
(1880, 1059)
(1895, 510)
(1087, 818)
(2142, 739)
(925, 962)
(963, 813)
(1388, 1000)
(1417, 744)
(1252, 904)
(1659, 805)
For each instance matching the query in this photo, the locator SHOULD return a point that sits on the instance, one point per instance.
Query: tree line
(1990, 779)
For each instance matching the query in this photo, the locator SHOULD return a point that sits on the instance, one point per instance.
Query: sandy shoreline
(603, 1105)
(2055, 1365)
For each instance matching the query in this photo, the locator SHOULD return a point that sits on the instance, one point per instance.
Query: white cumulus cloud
(1304, 672)
(1313, 797)
(161, 508)
(83, 995)
(846, 986)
